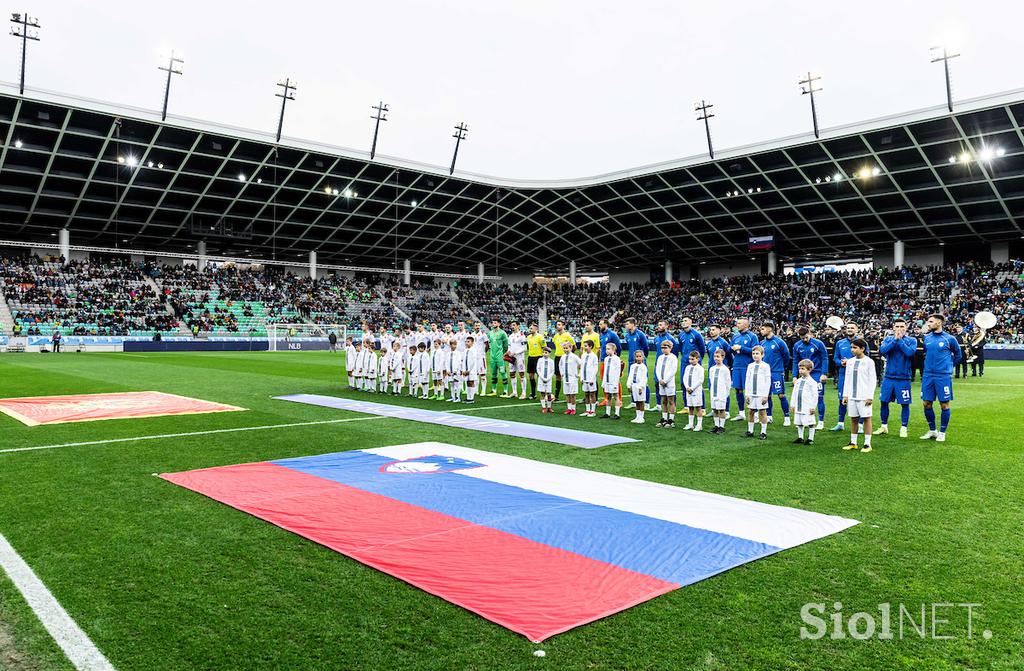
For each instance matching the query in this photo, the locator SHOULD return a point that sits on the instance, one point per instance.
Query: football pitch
(162, 578)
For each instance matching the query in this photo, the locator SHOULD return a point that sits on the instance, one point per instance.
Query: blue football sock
(821, 408)
(842, 412)
(883, 413)
(739, 400)
(905, 415)
(929, 415)
(784, 402)
(943, 419)
(770, 404)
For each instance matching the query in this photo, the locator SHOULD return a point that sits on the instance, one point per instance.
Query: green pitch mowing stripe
(162, 581)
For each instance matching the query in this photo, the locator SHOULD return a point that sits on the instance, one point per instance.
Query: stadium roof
(118, 176)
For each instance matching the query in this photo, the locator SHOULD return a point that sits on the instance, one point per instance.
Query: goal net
(304, 337)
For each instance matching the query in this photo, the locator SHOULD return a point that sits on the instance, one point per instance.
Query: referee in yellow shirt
(590, 334)
(534, 351)
(559, 339)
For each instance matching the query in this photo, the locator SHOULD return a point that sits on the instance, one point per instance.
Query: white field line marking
(235, 429)
(81, 651)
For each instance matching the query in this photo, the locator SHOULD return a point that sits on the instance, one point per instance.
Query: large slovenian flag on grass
(536, 547)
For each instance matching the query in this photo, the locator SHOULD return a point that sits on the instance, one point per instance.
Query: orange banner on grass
(39, 410)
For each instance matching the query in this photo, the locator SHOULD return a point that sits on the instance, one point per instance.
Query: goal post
(304, 337)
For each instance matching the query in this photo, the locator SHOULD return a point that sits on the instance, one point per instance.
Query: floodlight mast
(285, 95)
(171, 69)
(381, 115)
(703, 109)
(945, 58)
(807, 87)
(22, 23)
(459, 135)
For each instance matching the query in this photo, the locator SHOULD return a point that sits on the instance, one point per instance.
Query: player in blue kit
(810, 348)
(941, 354)
(842, 353)
(742, 344)
(776, 355)
(898, 350)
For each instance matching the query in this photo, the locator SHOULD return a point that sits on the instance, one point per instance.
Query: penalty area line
(237, 429)
(77, 646)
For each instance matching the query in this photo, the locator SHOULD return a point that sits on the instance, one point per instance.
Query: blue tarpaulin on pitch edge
(584, 439)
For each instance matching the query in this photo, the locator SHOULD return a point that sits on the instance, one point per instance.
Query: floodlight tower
(459, 135)
(703, 109)
(381, 115)
(807, 87)
(171, 69)
(287, 86)
(945, 57)
(22, 30)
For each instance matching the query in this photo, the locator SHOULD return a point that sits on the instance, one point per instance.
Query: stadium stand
(114, 297)
(82, 298)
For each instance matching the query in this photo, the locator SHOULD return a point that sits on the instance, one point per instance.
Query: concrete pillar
(898, 249)
(407, 272)
(572, 273)
(64, 240)
(201, 253)
(773, 263)
(312, 265)
(1000, 252)
(480, 273)
(668, 271)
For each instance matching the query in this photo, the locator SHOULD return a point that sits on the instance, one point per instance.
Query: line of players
(455, 363)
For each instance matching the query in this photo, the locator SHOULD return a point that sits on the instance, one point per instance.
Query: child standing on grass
(665, 367)
(456, 370)
(756, 389)
(637, 383)
(588, 377)
(610, 381)
(719, 383)
(474, 364)
(384, 370)
(859, 392)
(397, 368)
(569, 368)
(439, 366)
(370, 369)
(350, 362)
(545, 375)
(693, 382)
(804, 403)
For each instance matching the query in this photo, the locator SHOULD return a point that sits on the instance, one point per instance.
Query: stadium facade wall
(616, 278)
(716, 270)
(927, 256)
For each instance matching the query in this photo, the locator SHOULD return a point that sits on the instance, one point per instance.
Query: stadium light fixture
(241, 177)
(876, 171)
(987, 154)
(807, 87)
(171, 69)
(21, 30)
(945, 58)
(965, 157)
(381, 115)
(1000, 151)
(459, 135)
(703, 109)
(160, 166)
(287, 86)
(952, 159)
(838, 177)
(348, 193)
(259, 180)
(414, 203)
(334, 192)
(327, 190)
(150, 164)
(18, 144)
(132, 161)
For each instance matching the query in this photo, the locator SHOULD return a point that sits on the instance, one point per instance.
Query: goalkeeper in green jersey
(497, 341)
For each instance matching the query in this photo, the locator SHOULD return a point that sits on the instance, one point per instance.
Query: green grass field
(162, 578)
